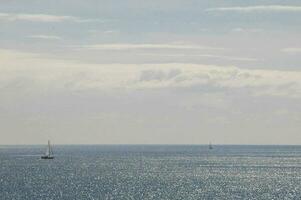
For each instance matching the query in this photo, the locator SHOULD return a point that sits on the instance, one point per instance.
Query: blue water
(151, 172)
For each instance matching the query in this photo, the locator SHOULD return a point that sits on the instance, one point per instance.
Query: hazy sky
(159, 71)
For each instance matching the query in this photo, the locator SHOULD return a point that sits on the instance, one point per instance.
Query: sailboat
(210, 146)
(48, 154)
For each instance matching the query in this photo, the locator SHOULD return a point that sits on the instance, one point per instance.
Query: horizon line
(149, 144)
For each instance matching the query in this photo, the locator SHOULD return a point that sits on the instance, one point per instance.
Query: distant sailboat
(48, 154)
(210, 146)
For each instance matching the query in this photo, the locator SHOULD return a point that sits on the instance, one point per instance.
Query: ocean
(150, 172)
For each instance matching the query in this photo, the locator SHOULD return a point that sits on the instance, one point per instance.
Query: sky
(150, 72)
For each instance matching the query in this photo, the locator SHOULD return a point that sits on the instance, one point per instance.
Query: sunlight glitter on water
(152, 172)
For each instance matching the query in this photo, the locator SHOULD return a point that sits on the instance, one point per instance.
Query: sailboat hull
(47, 157)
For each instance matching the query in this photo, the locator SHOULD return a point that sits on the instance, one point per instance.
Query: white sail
(48, 150)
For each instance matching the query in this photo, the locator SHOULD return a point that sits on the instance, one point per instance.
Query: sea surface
(151, 172)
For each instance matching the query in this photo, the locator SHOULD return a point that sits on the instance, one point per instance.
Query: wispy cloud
(111, 31)
(259, 8)
(46, 37)
(41, 18)
(127, 46)
(292, 50)
(93, 31)
(232, 58)
(246, 30)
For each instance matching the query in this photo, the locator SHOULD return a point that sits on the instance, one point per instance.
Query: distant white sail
(48, 150)
(210, 146)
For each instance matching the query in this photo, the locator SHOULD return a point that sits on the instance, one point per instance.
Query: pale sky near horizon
(150, 72)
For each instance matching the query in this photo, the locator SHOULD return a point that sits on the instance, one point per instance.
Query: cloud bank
(37, 72)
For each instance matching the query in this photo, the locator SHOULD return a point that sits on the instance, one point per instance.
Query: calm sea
(151, 172)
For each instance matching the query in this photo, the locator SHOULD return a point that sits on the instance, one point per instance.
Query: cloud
(46, 37)
(259, 8)
(40, 17)
(111, 31)
(158, 75)
(25, 71)
(292, 50)
(231, 58)
(93, 31)
(128, 46)
(244, 30)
